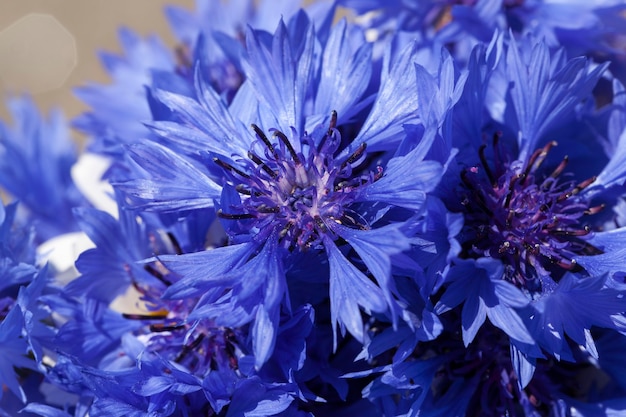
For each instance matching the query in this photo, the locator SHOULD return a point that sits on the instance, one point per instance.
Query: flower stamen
(295, 191)
(533, 226)
(289, 146)
(229, 167)
(265, 140)
(235, 216)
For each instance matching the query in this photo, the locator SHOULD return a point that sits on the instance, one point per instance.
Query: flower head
(446, 377)
(35, 168)
(531, 245)
(292, 185)
(133, 349)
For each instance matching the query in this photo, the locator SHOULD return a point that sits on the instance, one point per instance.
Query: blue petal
(13, 350)
(280, 78)
(473, 316)
(103, 230)
(290, 350)
(609, 262)
(546, 95)
(345, 74)
(349, 289)
(264, 332)
(175, 183)
(395, 106)
(375, 246)
(255, 399)
(202, 270)
(609, 241)
(437, 95)
(208, 121)
(524, 368)
(509, 295)
(45, 410)
(405, 183)
(469, 111)
(510, 322)
(263, 275)
(614, 173)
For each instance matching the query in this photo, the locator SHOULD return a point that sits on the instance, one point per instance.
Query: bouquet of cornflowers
(336, 208)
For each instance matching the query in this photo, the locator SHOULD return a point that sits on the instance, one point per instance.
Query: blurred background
(47, 47)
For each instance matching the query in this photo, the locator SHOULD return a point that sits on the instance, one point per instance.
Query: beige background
(49, 46)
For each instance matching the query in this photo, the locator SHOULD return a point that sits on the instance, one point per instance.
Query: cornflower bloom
(141, 351)
(290, 187)
(36, 158)
(535, 271)
(529, 226)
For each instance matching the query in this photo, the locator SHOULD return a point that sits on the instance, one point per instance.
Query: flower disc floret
(197, 344)
(296, 193)
(534, 226)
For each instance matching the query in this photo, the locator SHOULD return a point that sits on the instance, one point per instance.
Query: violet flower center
(199, 345)
(297, 193)
(535, 226)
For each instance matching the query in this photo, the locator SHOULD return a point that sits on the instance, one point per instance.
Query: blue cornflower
(291, 186)
(535, 271)
(581, 27)
(123, 346)
(445, 377)
(525, 223)
(37, 156)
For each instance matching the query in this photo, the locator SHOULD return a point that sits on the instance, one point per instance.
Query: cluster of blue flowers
(417, 210)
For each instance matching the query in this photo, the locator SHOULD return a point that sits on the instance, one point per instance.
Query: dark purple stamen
(159, 316)
(175, 244)
(230, 168)
(296, 189)
(289, 146)
(190, 347)
(235, 216)
(534, 226)
(162, 327)
(265, 140)
(356, 155)
(155, 273)
(260, 163)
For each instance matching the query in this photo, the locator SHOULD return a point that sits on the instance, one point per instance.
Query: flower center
(199, 345)
(534, 226)
(296, 193)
